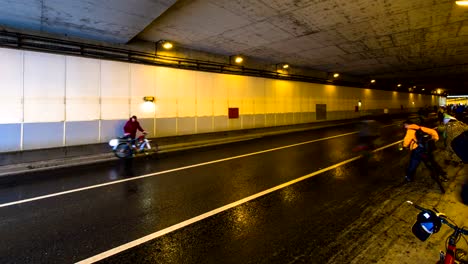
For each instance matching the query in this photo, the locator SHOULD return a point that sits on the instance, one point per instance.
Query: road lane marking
(166, 171)
(198, 218)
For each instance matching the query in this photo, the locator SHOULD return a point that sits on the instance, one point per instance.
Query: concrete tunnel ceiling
(422, 43)
(114, 21)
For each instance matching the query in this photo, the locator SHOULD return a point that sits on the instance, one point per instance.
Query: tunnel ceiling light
(282, 66)
(461, 3)
(167, 45)
(238, 59)
(162, 43)
(336, 75)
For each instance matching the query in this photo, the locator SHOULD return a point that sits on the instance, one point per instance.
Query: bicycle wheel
(123, 151)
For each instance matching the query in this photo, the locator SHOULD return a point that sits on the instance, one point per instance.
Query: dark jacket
(132, 127)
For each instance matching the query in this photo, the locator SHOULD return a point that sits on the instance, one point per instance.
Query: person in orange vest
(421, 150)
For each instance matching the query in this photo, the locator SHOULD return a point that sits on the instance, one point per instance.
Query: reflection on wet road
(290, 223)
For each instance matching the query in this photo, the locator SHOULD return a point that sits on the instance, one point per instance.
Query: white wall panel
(382, 95)
(283, 94)
(256, 91)
(166, 92)
(270, 97)
(342, 98)
(248, 101)
(350, 97)
(296, 98)
(306, 97)
(205, 93)
(115, 90)
(395, 103)
(220, 95)
(237, 85)
(56, 87)
(318, 94)
(44, 87)
(187, 90)
(411, 103)
(365, 103)
(11, 86)
(82, 89)
(142, 83)
(375, 103)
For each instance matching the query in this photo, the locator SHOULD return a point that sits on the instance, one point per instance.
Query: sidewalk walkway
(383, 233)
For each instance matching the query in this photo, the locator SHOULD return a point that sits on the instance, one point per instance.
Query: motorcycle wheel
(123, 151)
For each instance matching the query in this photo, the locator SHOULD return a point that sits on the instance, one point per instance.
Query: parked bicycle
(429, 222)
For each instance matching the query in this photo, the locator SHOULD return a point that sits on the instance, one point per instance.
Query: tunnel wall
(53, 100)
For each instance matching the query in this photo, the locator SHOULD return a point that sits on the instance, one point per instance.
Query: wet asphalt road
(295, 224)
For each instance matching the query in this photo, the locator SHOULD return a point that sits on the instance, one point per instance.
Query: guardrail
(66, 47)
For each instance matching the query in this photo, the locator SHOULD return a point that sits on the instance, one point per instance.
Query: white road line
(387, 146)
(164, 172)
(190, 221)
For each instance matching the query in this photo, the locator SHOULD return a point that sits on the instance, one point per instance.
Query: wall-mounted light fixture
(236, 59)
(149, 99)
(332, 76)
(399, 85)
(357, 107)
(282, 68)
(461, 3)
(163, 43)
(372, 81)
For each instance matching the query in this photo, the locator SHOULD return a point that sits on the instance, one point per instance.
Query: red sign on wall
(233, 112)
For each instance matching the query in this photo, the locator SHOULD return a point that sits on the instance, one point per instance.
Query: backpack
(423, 139)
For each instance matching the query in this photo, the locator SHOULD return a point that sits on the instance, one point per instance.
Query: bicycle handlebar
(417, 206)
(443, 219)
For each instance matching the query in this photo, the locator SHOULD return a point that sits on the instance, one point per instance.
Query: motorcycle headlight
(113, 142)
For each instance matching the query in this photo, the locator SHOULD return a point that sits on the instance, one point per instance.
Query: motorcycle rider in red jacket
(131, 127)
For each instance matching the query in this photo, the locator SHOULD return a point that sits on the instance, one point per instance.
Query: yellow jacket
(410, 137)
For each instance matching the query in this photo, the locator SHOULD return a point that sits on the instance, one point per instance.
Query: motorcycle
(125, 147)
